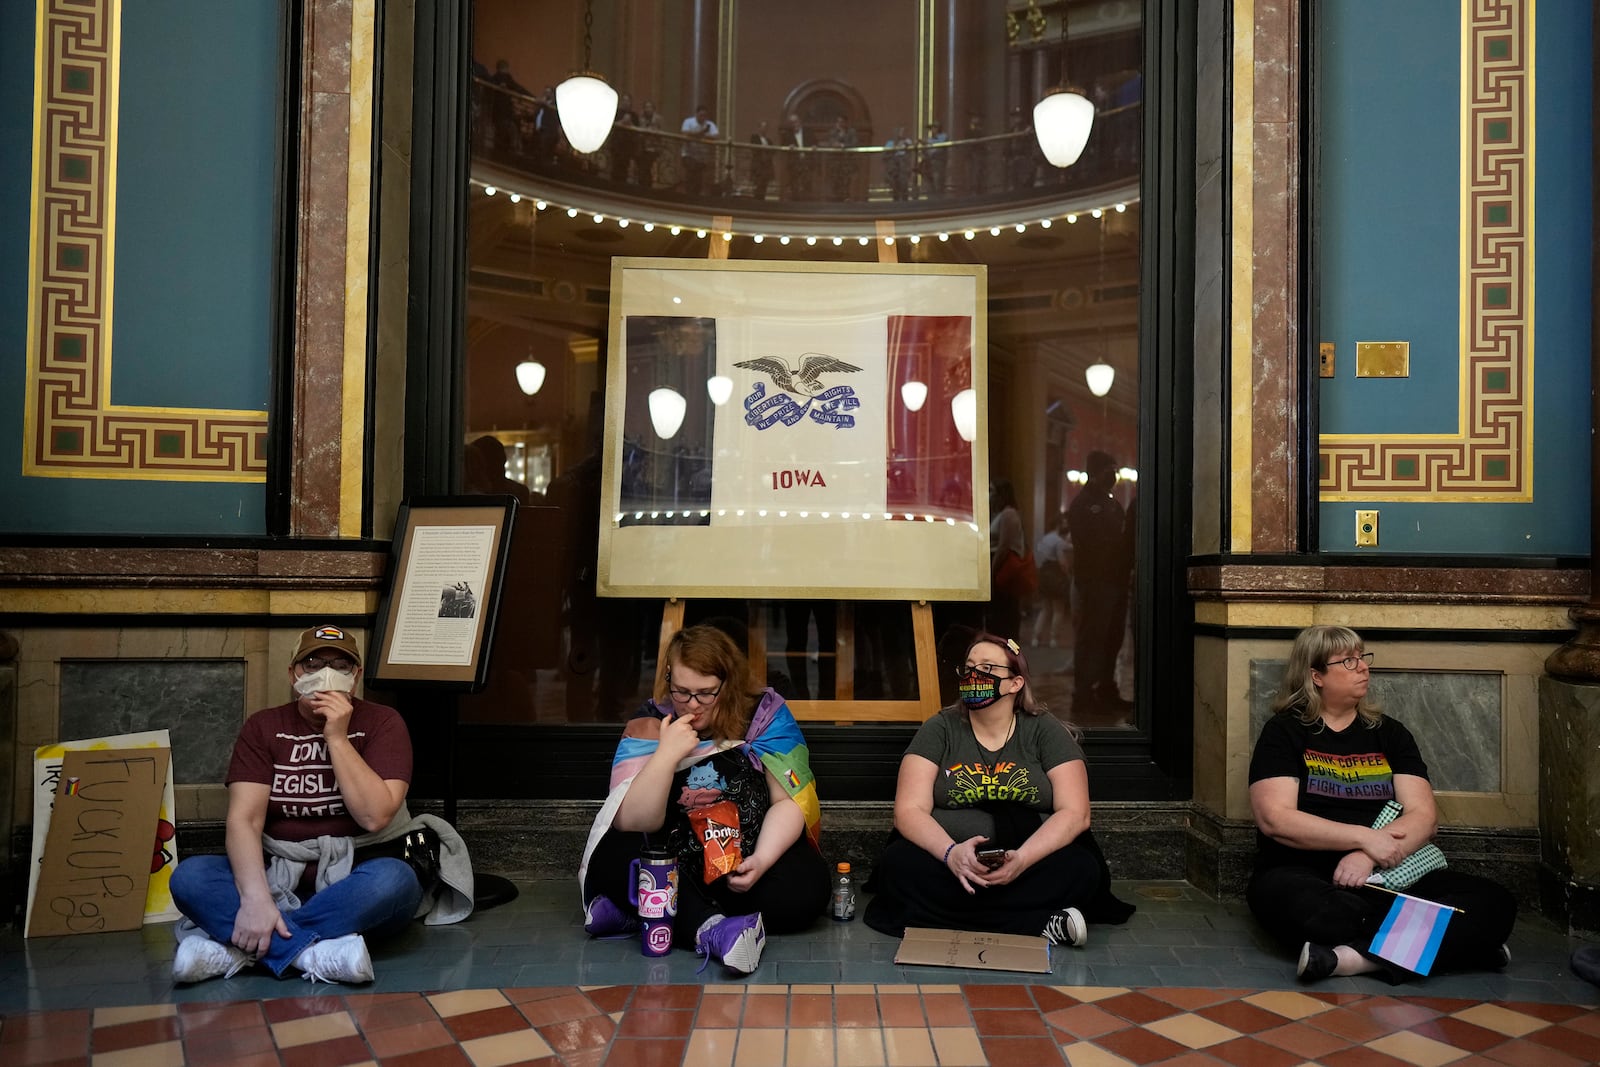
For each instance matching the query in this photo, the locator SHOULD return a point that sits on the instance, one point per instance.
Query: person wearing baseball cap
(325, 767)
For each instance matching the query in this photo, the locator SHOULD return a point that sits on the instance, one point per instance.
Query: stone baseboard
(1174, 841)
(1221, 852)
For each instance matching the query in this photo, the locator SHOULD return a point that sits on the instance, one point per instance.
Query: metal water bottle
(844, 894)
(654, 885)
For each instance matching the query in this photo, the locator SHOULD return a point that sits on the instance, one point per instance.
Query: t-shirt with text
(970, 775)
(279, 749)
(1345, 775)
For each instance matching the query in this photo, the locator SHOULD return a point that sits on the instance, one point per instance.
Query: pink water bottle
(654, 886)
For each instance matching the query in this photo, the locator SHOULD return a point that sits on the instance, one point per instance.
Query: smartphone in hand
(992, 857)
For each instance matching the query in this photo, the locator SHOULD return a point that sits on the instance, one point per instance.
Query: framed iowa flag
(795, 430)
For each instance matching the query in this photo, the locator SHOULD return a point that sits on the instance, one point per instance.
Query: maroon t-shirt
(281, 750)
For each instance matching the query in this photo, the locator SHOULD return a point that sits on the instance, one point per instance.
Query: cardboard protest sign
(97, 855)
(974, 951)
(47, 759)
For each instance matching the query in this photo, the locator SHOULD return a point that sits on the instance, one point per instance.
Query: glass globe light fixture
(1100, 375)
(530, 376)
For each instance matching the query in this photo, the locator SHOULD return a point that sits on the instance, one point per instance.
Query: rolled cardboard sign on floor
(97, 857)
(974, 950)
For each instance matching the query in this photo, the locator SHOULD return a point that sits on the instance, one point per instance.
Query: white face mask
(327, 680)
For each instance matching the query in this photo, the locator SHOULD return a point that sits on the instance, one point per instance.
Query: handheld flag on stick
(1411, 932)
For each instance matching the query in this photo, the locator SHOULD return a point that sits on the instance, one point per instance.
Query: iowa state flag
(1411, 933)
(734, 420)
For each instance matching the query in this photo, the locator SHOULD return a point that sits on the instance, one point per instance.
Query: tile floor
(1186, 981)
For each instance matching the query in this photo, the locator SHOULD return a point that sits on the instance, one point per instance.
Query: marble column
(8, 765)
(1569, 700)
(1569, 804)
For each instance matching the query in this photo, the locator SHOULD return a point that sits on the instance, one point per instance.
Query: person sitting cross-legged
(991, 817)
(1325, 766)
(710, 746)
(316, 828)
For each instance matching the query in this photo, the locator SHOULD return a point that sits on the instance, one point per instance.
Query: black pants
(790, 896)
(915, 889)
(1298, 904)
(1102, 620)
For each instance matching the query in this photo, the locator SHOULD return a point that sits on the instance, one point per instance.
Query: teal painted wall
(1389, 252)
(194, 250)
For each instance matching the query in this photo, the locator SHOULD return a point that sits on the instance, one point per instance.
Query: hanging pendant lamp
(530, 376)
(1063, 118)
(586, 104)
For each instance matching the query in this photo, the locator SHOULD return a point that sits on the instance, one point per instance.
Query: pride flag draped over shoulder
(773, 741)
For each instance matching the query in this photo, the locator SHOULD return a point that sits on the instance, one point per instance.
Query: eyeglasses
(984, 668)
(313, 664)
(685, 696)
(1350, 663)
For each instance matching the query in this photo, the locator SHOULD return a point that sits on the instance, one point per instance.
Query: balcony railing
(521, 133)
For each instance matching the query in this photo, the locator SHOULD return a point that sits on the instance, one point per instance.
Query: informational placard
(47, 771)
(795, 430)
(437, 620)
(96, 863)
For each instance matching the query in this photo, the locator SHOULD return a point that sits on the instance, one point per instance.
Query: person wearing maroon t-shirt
(324, 768)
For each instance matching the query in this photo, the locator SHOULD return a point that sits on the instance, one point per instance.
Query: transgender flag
(1411, 933)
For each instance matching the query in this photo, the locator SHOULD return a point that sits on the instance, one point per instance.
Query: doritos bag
(717, 827)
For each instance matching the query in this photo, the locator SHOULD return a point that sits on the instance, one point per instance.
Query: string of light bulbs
(708, 232)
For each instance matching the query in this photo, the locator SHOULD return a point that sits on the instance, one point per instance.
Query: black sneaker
(1066, 927)
(1316, 962)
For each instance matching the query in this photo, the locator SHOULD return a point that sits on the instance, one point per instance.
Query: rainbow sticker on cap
(328, 633)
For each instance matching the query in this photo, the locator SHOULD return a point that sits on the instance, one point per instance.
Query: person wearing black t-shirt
(991, 817)
(1323, 768)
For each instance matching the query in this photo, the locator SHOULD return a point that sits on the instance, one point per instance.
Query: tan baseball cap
(327, 637)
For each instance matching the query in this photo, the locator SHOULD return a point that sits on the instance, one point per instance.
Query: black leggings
(790, 896)
(914, 888)
(1298, 904)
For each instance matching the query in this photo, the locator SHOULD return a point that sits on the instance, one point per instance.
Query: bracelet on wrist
(950, 848)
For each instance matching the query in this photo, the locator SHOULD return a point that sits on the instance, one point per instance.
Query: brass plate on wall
(1383, 359)
(1325, 359)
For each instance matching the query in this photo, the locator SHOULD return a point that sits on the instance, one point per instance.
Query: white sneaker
(200, 958)
(342, 959)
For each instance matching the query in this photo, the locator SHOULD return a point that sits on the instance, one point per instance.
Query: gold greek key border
(1491, 457)
(71, 427)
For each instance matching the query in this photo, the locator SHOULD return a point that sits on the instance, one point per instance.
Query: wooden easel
(844, 707)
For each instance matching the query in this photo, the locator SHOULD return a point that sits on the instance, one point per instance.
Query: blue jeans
(380, 896)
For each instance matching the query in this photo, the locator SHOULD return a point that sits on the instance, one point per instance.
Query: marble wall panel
(198, 701)
(1456, 718)
(1265, 677)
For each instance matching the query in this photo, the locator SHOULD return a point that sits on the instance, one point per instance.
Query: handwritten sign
(96, 864)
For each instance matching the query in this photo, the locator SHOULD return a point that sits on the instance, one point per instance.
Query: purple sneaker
(736, 941)
(602, 918)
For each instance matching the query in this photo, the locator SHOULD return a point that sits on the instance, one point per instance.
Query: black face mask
(979, 689)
